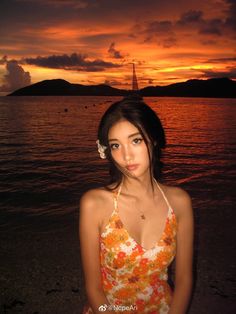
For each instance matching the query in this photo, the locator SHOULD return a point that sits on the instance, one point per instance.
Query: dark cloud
(221, 60)
(166, 32)
(231, 15)
(114, 52)
(191, 16)
(204, 26)
(212, 27)
(15, 78)
(162, 32)
(159, 27)
(77, 62)
(230, 73)
(216, 26)
(169, 42)
(58, 61)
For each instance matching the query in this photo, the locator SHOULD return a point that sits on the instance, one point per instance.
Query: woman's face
(128, 148)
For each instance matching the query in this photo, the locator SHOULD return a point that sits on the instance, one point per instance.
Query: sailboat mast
(134, 81)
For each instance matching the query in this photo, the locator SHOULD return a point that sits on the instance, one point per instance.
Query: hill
(218, 88)
(59, 87)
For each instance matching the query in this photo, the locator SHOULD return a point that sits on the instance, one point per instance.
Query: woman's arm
(184, 255)
(89, 245)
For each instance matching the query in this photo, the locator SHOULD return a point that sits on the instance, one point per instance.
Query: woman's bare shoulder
(96, 199)
(178, 198)
(175, 191)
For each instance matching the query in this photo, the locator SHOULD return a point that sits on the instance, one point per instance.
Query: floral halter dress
(134, 279)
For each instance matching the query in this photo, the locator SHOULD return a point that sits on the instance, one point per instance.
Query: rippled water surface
(48, 154)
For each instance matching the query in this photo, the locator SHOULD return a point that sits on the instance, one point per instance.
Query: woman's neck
(138, 186)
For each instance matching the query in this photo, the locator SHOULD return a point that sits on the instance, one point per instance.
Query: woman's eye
(137, 140)
(114, 146)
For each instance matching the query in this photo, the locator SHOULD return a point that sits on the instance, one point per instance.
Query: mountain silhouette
(59, 87)
(217, 87)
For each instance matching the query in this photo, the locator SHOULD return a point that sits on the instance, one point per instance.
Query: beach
(41, 272)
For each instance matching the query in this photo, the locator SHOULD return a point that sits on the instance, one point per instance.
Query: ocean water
(48, 155)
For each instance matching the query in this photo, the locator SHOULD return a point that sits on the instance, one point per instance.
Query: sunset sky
(95, 41)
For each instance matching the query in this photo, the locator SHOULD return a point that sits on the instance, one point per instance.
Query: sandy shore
(41, 271)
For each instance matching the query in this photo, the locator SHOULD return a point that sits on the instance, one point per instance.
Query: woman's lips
(131, 167)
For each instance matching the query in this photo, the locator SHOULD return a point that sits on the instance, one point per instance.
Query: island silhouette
(216, 87)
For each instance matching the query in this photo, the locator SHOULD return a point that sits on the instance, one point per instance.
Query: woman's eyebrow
(131, 135)
(134, 134)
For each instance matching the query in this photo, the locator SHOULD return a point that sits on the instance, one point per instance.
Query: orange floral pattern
(133, 275)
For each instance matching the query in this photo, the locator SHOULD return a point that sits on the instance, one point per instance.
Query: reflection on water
(48, 153)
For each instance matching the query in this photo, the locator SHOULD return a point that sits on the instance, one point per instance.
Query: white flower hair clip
(101, 149)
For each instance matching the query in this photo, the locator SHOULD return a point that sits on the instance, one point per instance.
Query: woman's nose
(127, 153)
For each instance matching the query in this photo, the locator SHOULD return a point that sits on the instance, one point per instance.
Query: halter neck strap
(117, 194)
(163, 194)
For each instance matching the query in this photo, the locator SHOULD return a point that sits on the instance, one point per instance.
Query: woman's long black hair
(149, 125)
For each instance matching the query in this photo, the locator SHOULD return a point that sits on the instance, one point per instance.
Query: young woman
(133, 228)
